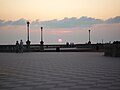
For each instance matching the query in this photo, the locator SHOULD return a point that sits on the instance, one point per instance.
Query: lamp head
(28, 22)
(41, 28)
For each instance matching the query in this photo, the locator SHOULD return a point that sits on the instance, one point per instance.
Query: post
(28, 41)
(89, 42)
(28, 30)
(41, 42)
(41, 33)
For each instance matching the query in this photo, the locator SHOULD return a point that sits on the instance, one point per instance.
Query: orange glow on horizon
(59, 31)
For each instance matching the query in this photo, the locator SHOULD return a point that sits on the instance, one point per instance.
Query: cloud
(64, 23)
(113, 20)
(17, 22)
(71, 22)
(1, 22)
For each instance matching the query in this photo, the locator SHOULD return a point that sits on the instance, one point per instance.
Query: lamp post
(41, 42)
(28, 23)
(89, 42)
(41, 36)
(28, 41)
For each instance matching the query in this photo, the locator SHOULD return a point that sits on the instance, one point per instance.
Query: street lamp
(89, 42)
(28, 42)
(41, 42)
(41, 36)
(28, 23)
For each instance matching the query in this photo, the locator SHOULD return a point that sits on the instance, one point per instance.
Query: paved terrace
(59, 71)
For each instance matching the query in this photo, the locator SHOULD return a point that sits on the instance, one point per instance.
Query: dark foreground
(59, 71)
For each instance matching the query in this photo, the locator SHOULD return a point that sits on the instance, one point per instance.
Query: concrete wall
(75, 47)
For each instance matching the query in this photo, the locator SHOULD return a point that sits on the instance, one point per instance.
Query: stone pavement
(59, 71)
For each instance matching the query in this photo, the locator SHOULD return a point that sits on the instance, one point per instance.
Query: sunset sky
(58, 9)
(68, 20)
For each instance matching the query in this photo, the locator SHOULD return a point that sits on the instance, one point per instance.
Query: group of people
(19, 47)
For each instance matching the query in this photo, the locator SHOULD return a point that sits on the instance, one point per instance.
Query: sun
(60, 40)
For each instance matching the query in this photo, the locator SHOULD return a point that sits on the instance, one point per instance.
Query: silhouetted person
(21, 46)
(67, 44)
(17, 47)
(72, 44)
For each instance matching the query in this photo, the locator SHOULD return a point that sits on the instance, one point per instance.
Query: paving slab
(59, 71)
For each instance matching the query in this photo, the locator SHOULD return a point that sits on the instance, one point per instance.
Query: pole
(89, 42)
(41, 33)
(28, 42)
(41, 36)
(42, 43)
(89, 35)
(28, 30)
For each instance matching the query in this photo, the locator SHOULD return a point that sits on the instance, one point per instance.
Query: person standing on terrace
(21, 46)
(17, 47)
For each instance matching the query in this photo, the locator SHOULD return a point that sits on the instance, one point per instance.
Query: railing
(54, 47)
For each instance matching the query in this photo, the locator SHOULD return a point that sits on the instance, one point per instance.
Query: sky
(52, 9)
(68, 20)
